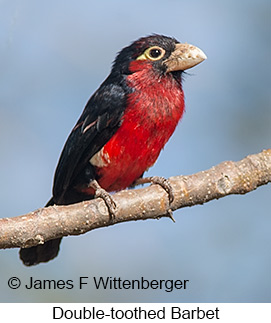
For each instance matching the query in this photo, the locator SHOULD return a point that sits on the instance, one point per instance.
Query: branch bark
(139, 204)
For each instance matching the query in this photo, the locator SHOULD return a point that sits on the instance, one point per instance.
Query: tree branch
(146, 203)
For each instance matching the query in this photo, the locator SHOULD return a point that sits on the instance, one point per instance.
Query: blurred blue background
(53, 55)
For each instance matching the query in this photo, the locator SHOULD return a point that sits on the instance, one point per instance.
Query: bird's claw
(165, 184)
(107, 198)
(170, 215)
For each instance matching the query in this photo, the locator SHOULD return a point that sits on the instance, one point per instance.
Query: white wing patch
(100, 159)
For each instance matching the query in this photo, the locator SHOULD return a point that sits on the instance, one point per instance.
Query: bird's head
(160, 53)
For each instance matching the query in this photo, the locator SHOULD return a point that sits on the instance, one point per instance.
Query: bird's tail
(41, 253)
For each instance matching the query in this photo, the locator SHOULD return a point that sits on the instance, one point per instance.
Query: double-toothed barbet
(123, 127)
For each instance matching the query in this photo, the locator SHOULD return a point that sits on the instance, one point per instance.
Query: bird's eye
(153, 53)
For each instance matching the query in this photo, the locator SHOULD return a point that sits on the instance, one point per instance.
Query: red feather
(152, 114)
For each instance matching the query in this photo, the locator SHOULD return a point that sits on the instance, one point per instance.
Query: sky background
(53, 56)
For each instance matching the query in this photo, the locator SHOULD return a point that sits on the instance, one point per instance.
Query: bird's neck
(156, 96)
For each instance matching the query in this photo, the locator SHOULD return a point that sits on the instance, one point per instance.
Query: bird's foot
(163, 182)
(107, 198)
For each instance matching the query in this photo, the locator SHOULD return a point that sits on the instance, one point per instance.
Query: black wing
(99, 121)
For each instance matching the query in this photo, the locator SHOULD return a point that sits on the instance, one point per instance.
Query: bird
(123, 127)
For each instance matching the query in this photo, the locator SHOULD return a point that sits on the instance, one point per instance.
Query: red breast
(152, 114)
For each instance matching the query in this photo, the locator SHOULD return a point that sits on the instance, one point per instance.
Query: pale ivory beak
(184, 56)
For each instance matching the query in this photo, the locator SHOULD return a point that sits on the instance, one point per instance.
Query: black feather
(99, 121)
